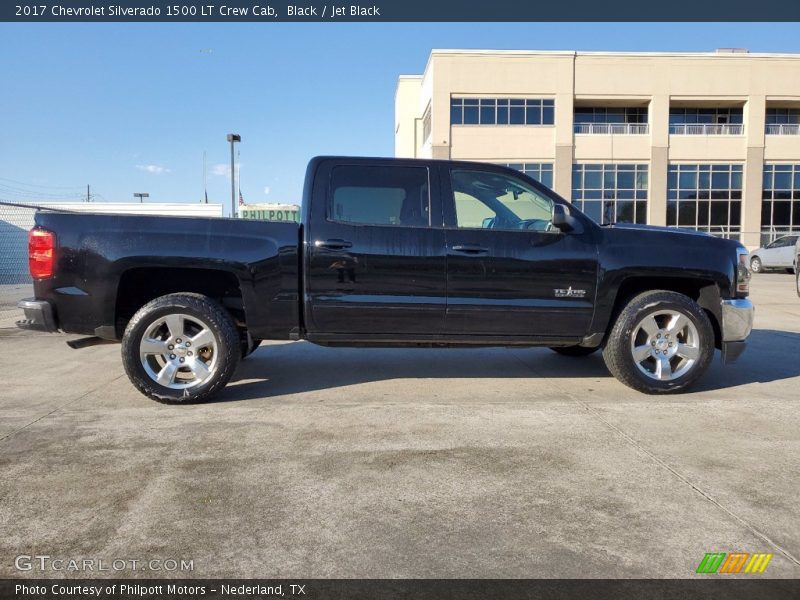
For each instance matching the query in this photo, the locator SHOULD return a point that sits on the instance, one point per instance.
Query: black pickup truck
(391, 252)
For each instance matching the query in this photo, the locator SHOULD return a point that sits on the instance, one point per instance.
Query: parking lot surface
(325, 462)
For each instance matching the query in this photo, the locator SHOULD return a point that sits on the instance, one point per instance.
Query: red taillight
(41, 253)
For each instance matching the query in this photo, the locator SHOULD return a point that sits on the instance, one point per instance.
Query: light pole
(141, 196)
(233, 138)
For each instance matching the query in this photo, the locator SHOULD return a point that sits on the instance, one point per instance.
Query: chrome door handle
(334, 244)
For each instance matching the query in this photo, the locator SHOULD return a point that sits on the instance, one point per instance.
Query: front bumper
(38, 315)
(737, 323)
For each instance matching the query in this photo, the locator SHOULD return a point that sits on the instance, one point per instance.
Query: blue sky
(131, 107)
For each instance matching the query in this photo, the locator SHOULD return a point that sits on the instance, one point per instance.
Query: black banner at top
(332, 11)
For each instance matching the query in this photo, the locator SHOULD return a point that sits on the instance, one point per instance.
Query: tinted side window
(378, 195)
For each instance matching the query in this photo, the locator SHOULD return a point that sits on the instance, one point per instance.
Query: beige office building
(703, 140)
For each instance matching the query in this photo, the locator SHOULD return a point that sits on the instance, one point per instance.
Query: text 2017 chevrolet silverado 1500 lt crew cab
(391, 252)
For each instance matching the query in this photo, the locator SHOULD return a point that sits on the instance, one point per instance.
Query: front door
(376, 261)
(509, 271)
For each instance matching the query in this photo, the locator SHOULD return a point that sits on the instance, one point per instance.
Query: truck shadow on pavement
(771, 355)
(298, 367)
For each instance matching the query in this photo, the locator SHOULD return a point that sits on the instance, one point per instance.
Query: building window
(502, 111)
(541, 172)
(706, 197)
(706, 121)
(426, 124)
(780, 209)
(611, 120)
(783, 121)
(611, 193)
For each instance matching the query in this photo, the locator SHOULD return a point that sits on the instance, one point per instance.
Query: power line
(36, 185)
(39, 195)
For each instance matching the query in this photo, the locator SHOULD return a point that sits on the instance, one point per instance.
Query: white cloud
(267, 190)
(221, 169)
(155, 169)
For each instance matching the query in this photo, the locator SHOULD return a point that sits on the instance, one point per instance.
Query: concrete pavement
(323, 462)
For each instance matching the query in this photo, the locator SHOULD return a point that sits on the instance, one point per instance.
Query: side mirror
(487, 223)
(563, 221)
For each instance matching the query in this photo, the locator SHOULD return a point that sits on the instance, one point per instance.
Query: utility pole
(88, 196)
(141, 196)
(233, 138)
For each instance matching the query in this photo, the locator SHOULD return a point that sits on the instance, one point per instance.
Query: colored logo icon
(734, 562)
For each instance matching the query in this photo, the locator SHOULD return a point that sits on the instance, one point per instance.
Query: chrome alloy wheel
(665, 345)
(179, 351)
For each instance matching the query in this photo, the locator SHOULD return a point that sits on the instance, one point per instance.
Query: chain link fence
(15, 280)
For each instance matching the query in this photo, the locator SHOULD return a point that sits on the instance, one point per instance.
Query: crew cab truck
(391, 252)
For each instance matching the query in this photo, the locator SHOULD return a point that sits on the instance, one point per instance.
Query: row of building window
(699, 196)
(705, 196)
(502, 111)
(781, 201)
(611, 192)
(700, 116)
(541, 172)
(539, 111)
(604, 115)
(783, 116)
(426, 123)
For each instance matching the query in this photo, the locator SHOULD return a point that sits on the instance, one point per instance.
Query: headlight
(742, 272)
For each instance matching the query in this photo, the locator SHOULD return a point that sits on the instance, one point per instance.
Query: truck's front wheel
(661, 343)
(181, 348)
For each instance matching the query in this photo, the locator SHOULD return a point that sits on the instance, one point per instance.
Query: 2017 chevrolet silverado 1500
(391, 252)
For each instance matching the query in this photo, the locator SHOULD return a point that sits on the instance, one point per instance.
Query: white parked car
(779, 254)
(797, 265)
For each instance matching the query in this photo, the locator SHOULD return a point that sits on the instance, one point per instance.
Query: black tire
(574, 351)
(618, 351)
(755, 265)
(225, 341)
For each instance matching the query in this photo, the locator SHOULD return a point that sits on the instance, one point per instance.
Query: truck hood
(656, 228)
(631, 234)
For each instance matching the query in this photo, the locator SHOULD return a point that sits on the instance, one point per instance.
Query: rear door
(509, 272)
(375, 250)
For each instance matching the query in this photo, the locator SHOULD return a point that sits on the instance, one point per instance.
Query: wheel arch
(139, 285)
(703, 291)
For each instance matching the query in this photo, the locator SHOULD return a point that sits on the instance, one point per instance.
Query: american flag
(241, 199)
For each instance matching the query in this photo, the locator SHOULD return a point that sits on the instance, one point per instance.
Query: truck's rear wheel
(181, 348)
(661, 343)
